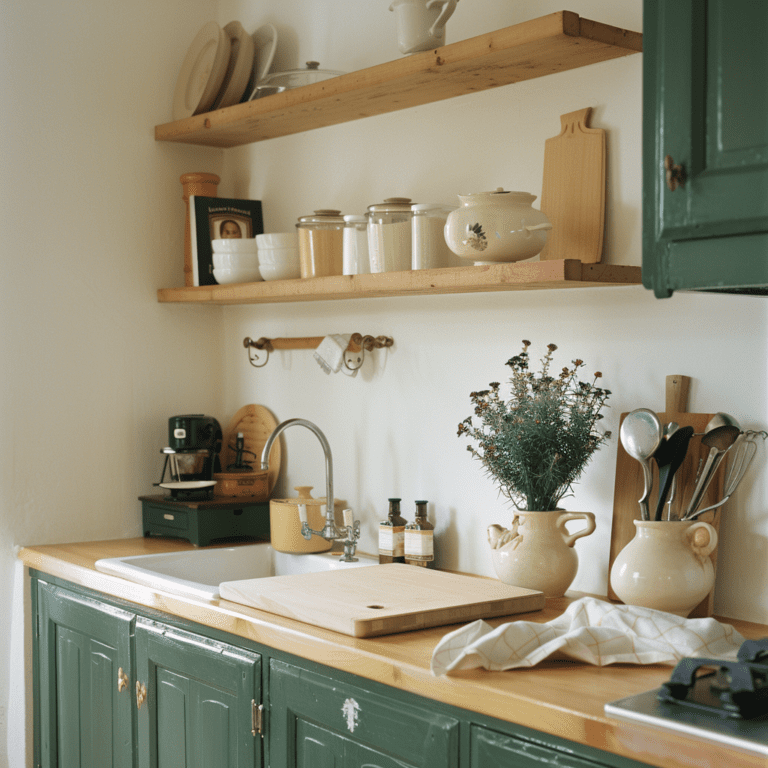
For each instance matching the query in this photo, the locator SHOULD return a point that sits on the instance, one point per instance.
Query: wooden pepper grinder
(203, 184)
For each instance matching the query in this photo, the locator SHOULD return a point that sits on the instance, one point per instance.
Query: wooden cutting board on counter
(382, 599)
(573, 190)
(629, 482)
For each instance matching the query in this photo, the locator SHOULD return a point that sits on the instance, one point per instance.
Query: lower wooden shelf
(523, 276)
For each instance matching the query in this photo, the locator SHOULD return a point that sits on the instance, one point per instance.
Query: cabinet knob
(122, 680)
(141, 694)
(675, 174)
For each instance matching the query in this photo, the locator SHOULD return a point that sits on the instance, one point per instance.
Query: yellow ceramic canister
(285, 526)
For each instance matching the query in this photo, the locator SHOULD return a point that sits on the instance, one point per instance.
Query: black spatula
(670, 456)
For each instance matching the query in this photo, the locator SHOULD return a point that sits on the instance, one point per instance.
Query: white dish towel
(593, 631)
(330, 354)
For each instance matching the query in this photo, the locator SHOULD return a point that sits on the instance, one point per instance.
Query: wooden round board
(257, 424)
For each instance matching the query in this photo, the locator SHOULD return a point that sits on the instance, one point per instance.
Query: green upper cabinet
(705, 98)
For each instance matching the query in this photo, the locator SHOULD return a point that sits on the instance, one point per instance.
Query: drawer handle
(122, 680)
(141, 694)
(675, 174)
(166, 516)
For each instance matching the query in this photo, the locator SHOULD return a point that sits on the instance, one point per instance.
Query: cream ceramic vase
(500, 226)
(537, 551)
(666, 566)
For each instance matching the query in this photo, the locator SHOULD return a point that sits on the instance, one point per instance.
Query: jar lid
(323, 216)
(392, 204)
(355, 219)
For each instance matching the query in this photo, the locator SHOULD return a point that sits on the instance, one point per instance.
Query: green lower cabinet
(494, 750)
(83, 674)
(318, 722)
(196, 700)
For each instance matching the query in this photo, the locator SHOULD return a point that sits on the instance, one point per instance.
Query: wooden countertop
(564, 699)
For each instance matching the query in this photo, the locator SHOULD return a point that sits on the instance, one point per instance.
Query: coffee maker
(192, 455)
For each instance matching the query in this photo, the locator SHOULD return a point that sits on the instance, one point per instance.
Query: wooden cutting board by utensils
(573, 190)
(629, 482)
(257, 424)
(382, 599)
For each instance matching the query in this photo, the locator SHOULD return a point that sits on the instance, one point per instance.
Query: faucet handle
(349, 518)
(303, 513)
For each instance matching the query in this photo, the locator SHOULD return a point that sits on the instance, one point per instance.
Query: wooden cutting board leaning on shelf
(629, 482)
(382, 599)
(573, 190)
(256, 424)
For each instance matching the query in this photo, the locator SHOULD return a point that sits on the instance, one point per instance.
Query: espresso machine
(191, 457)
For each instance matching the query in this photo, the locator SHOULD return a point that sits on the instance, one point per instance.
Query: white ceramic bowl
(278, 240)
(235, 245)
(236, 260)
(278, 255)
(280, 271)
(231, 275)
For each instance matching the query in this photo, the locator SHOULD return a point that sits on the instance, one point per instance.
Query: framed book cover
(214, 218)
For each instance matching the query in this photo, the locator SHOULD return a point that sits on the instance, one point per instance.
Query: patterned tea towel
(592, 631)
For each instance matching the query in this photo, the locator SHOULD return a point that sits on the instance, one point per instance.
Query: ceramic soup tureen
(499, 226)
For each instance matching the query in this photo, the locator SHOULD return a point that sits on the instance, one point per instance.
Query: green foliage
(536, 444)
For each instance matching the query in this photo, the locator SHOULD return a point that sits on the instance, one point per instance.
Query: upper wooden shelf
(535, 275)
(553, 43)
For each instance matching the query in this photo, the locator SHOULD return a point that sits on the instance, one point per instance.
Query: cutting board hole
(376, 607)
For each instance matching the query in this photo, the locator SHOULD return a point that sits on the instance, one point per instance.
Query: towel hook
(262, 344)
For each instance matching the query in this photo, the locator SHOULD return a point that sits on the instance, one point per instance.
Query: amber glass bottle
(419, 539)
(392, 535)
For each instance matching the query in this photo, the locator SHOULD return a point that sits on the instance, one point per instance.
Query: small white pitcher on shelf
(421, 23)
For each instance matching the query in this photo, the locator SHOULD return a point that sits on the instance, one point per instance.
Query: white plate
(240, 66)
(188, 485)
(265, 42)
(202, 73)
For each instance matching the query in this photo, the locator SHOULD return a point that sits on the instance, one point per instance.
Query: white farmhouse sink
(199, 572)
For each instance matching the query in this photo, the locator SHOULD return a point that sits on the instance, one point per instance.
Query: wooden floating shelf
(544, 46)
(538, 275)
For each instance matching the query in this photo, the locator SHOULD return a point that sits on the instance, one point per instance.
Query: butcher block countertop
(561, 698)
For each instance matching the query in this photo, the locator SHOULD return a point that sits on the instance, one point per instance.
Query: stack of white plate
(222, 67)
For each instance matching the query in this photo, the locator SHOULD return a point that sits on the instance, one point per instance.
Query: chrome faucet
(350, 532)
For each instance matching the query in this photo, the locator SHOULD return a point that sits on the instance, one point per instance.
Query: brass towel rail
(358, 344)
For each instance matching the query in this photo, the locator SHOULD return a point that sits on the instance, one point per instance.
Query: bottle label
(392, 540)
(419, 545)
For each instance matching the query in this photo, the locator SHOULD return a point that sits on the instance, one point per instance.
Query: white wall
(92, 225)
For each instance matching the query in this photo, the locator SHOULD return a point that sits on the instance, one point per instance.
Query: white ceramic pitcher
(421, 23)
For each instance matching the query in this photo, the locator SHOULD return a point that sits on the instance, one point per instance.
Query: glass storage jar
(356, 261)
(428, 246)
(321, 239)
(389, 235)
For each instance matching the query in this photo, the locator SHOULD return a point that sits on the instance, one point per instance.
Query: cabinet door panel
(497, 750)
(347, 725)
(199, 700)
(85, 721)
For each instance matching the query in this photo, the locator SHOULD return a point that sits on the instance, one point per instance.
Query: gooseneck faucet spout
(326, 450)
(350, 532)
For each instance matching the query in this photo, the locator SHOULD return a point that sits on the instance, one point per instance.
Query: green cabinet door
(83, 682)
(319, 722)
(197, 700)
(705, 105)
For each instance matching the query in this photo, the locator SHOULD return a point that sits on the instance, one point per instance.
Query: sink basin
(199, 572)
